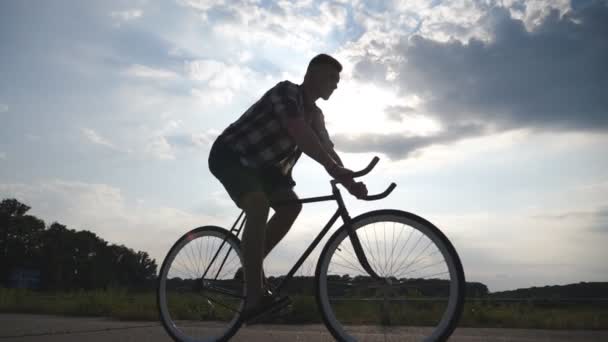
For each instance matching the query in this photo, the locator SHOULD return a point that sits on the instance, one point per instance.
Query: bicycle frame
(341, 211)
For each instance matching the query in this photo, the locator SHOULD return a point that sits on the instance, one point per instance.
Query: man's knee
(254, 203)
(292, 208)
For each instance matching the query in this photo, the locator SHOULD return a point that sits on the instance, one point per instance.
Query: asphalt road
(18, 327)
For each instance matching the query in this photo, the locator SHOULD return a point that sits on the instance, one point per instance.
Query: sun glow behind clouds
(357, 108)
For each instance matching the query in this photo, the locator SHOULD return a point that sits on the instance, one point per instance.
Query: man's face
(327, 81)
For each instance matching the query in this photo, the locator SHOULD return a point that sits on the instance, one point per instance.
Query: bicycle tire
(169, 323)
(450, 317)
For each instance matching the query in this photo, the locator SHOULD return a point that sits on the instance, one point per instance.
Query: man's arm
(284, 99)
(306, 139)
(318, 125)
(335, 156)
(309, 143)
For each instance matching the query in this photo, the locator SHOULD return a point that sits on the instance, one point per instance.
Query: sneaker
(268, 305)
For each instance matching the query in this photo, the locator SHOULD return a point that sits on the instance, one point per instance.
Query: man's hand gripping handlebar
(358, 189)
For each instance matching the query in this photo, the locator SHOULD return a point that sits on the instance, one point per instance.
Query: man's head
(322, 76)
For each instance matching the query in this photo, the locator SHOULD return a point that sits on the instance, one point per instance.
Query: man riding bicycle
(253, 159)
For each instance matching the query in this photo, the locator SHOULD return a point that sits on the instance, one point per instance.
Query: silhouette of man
(253, 159)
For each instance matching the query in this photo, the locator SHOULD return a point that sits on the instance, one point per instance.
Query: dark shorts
(238, 179)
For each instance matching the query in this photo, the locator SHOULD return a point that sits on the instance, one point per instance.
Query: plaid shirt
(260, 137)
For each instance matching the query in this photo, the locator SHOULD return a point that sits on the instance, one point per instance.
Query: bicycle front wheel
(420, 290)
(199, 293)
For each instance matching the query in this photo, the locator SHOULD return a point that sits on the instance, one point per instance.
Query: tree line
(66, 259)
(580, 290)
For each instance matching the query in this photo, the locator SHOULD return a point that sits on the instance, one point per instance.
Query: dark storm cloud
(398, 146)
(554, 77)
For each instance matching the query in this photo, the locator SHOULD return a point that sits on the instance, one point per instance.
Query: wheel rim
(421, 251)
(192, 310)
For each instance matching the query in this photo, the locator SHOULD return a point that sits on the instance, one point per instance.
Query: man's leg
(256, 207)
(283, 218)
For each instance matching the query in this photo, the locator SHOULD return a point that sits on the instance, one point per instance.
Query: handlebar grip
(380, 195)
(367, 169)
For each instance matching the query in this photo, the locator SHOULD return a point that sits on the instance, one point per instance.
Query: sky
(490, 115)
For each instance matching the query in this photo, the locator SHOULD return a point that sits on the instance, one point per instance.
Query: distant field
(121, 304)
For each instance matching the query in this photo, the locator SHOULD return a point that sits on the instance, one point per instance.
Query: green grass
(539, 315)
(124, 305)
(116, 303)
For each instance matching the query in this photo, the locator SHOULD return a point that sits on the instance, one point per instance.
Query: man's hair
(324, 59)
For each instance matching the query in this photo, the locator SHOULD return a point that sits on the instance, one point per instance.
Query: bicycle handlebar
(381, 195)
(365, 171)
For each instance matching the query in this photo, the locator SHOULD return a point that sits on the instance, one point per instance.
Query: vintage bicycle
(385, 273)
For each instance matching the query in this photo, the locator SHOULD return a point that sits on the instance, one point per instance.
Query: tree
(19, 237)
(67, 259)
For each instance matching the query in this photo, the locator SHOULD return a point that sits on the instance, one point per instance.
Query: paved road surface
(29, 328)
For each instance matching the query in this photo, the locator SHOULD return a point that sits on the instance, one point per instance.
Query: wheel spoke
(371, 252)
(223, 291)
(418, 273)
(187, 301)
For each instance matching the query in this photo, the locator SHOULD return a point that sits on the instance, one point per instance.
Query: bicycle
(358, 282)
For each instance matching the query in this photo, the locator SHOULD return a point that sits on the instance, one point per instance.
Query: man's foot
(268, 287)
(268, 304)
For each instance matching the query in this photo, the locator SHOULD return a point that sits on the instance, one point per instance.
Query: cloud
(218, 75)
(2, 155)
(298, 25)
(217, 83)
(193, 140)
(397, 113)
(170, 141)
(142, 71)
(596, 219)
(3, 108)
(95, 138)
(159, 148)
(32, 137)
(212, 96)
(169, 144)
(551, 78)
(601, 220)
(399, 146)
(126, 15)
(201, 5)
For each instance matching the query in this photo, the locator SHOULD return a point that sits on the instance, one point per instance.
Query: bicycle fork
(354, 239)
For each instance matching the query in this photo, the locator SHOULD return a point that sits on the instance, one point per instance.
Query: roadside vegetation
(125, 305)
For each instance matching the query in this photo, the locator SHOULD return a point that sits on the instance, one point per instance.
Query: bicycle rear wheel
(419, 295)
(199, 298)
